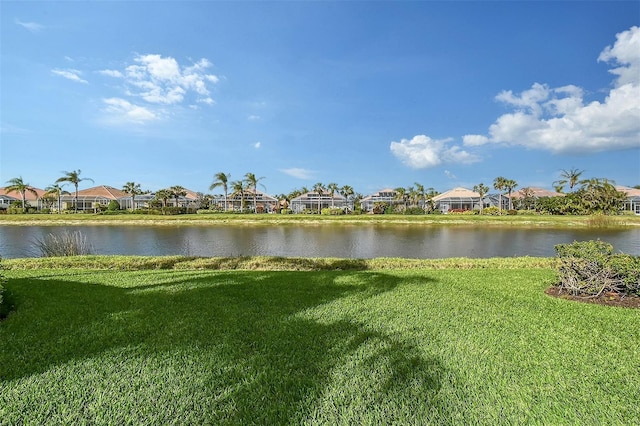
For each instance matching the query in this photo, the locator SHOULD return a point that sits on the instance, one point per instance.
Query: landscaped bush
(66, 244)
(113, 206)
(332, 211)
(590, 268)
(492, 211)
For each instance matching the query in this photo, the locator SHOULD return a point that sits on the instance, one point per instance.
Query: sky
(370, 94)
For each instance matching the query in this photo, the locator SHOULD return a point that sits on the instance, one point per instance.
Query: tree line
(584, 196)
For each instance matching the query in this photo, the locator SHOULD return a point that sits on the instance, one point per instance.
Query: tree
(176, 192)
(333, 188)
(318, 189)
(347, 192)
(133, 189)
(19, 186)
(499, 185)
(74, 178)
(509, 186)
(239, 188)
(482, 190)
(421, 194)
(401, 195)
(221, 180)
(56, 190)
(252, 182)
(570, 177)
(163, 195)
(599, 195)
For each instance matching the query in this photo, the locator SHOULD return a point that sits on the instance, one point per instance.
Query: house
(91, 199)
(314, 201)
(465, 199)
(33, 200)
(190, 200)
(264, 202)
(383, 196)
(526, 197)
(633, 198)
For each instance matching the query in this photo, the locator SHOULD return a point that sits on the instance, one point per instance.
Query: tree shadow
(279, 362)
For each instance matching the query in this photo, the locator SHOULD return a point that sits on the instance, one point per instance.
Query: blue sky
(367, 94)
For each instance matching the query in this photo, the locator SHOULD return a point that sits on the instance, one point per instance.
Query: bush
(67, 244)
(491, 211)
(113, 206)
(332, 211)
(590, 268)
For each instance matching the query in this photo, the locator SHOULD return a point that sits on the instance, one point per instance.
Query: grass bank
(371, 346)
(271, 219)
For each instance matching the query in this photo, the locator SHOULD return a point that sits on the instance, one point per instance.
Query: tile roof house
(91, 199)
(6, 197)
(633, 198)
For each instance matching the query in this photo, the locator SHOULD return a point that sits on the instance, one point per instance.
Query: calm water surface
(350, 241)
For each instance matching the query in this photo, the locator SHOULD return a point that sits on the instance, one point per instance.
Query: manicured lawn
(419, 346)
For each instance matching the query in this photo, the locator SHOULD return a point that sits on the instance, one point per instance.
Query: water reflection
(352, 241)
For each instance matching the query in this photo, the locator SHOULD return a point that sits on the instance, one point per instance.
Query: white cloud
(161, 80)
(111, 73)
(422, 152)
(253, 118)
(30, 26)
(558, 120)
(121, 111)
(449, 174)
(70, 74)
(298, 173)
(257, 145)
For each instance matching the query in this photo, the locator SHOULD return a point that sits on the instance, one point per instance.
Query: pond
(348, 241)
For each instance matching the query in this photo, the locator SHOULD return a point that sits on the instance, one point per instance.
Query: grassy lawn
(376, 346)
(239, 219)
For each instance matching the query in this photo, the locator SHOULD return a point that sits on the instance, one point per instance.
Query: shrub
(590, 268)
(67, 244)
(492, 211)
(113, 206)
(332, 211)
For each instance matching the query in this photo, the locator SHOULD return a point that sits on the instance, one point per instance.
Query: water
(349, 241)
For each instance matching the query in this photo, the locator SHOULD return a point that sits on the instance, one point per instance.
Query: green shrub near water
(590, 268)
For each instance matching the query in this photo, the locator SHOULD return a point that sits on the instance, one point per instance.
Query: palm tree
(56, 190)
(18, 185)
(221, 180)
(333, 188)
(239, 189)
(401, 194)
(346, 191)
(177, 191)
(318, 188)
(252, 182)
(163, 195)
(420, 193)
(509, 186)
(499, 185)
(74, 178)
(571, 177)
(133, 189)
(482, 190)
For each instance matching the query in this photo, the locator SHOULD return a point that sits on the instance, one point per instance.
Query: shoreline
(271, 220)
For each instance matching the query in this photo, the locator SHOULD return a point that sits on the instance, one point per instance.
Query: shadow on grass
(264, 359)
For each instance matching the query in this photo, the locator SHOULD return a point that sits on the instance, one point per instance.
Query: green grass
(267, 219)
(421, 346)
